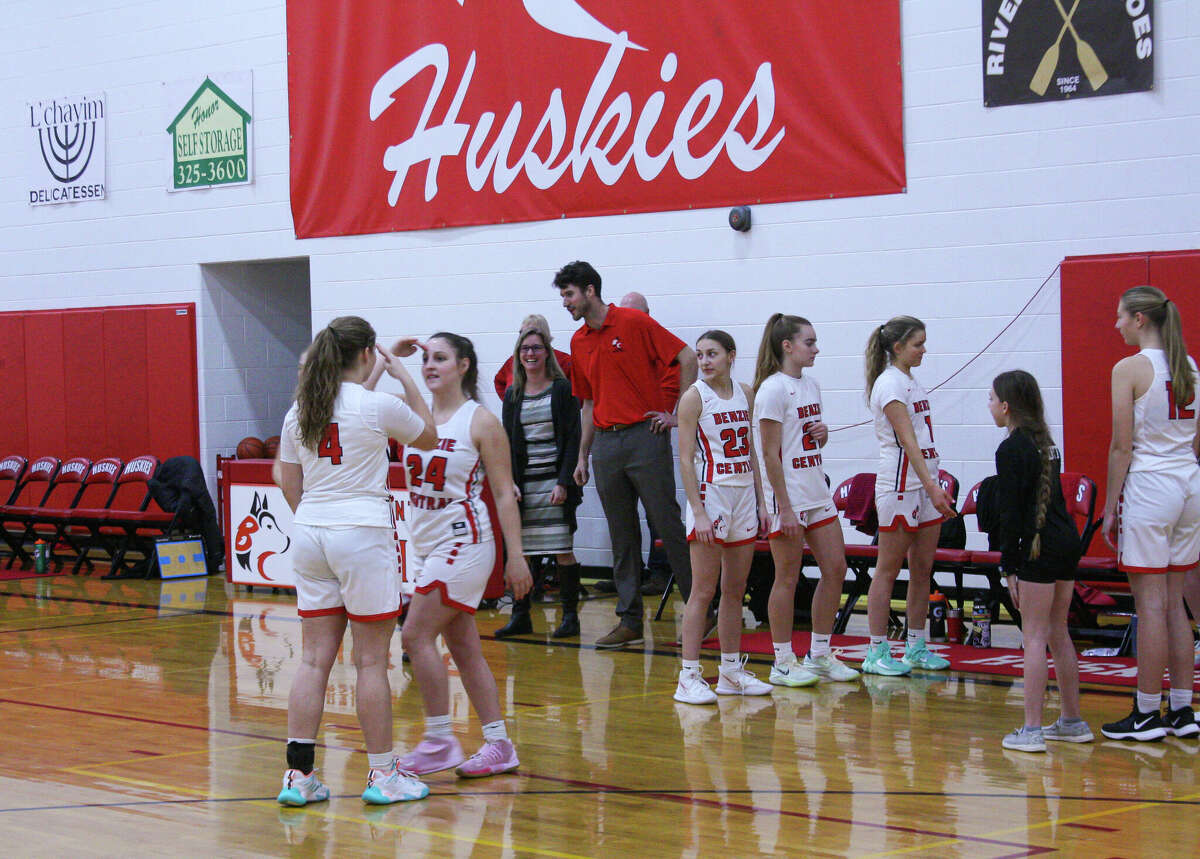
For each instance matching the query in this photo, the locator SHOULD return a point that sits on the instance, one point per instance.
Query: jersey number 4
(1176, 412)
(737, 441)
(435, 472)
(330, 445)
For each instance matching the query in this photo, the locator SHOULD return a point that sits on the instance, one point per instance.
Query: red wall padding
(95, 382)
(1091, 288)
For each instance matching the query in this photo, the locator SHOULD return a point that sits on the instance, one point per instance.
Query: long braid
(1045, 481)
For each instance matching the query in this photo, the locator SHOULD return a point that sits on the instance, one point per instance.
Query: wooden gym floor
(148, 718)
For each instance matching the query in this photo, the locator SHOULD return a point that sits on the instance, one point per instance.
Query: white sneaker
(393, 785)
(1196, 659)
(792, 673)
(693, 689)
(739, 681)
(829, 667)
(300, 789)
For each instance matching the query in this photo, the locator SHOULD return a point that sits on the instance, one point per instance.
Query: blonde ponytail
(1162, 313)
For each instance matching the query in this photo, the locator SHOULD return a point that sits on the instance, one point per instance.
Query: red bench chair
(96, 492)
(62, 495)
(14, 518)
(12, 471)
(124, 523)
(126, 528)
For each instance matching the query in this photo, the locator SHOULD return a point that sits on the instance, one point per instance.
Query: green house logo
(208, 140)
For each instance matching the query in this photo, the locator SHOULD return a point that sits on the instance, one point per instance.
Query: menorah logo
(67, 149)
(69, 133)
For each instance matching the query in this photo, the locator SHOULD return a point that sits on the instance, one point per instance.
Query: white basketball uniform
(448, 523)
(724, 470)
(900, 499)
(794, 404)
(345, 555)
(1159, 512)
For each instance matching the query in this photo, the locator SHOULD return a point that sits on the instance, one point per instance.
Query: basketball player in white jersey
(789, 433)
(910, 502)
(453, 553)
(725, 512)
(333, 473)
(1152, 506)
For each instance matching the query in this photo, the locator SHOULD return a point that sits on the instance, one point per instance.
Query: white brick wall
(995, 199)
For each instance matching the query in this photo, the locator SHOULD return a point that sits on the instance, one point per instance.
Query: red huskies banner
(431, 113)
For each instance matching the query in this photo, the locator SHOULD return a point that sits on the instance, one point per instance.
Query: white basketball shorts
(350, 570)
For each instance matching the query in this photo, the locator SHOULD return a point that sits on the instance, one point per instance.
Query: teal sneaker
(300, 789)
(880, 661)
(918, 656)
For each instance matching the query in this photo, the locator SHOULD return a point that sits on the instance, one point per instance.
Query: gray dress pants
(629, 464)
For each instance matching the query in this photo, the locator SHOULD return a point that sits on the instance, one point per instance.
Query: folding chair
(987, 563)
(1079, 491)
(123, 527)
(63, 494)
(15, 517)
(12, 471)
(95, 494)
(951, 560)
(860, 557)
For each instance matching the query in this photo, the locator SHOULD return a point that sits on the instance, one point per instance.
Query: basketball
(271, 447)
(250, 448)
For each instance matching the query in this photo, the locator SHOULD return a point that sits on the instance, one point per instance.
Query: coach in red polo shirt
(619, 357)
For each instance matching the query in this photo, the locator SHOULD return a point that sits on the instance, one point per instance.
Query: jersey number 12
(1176, 412)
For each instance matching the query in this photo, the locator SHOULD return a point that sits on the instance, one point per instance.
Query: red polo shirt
(621, 365)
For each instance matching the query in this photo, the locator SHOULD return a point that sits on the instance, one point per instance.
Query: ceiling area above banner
(436, 113)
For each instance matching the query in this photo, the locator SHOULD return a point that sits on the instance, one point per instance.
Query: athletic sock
(438, 726)
(691, 665)
(381, 761)
(1148, 702)
(494, 732)
(915, 638)
(819, 646)
(1180, 698)
(878, 639)
(729, 661)
(301, 754)
(783, 651)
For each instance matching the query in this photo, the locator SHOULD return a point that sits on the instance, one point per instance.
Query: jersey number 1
(1174, 411)
(330, 445)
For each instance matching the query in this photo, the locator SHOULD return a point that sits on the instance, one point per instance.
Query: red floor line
(146, 721)
(735, 806)
(1091, 826)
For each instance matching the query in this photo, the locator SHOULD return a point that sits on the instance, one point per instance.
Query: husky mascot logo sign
(259, 538)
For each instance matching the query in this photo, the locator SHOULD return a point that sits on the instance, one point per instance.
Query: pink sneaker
(433, 754)
(492, 759)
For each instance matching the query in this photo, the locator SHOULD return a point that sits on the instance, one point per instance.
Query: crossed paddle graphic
(1088, 61)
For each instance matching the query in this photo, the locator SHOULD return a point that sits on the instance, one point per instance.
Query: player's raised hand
(406, 346)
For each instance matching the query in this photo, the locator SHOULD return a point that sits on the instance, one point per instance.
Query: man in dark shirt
(619, 357)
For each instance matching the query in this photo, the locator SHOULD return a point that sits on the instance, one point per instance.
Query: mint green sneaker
(880, 661)
(918, 656)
